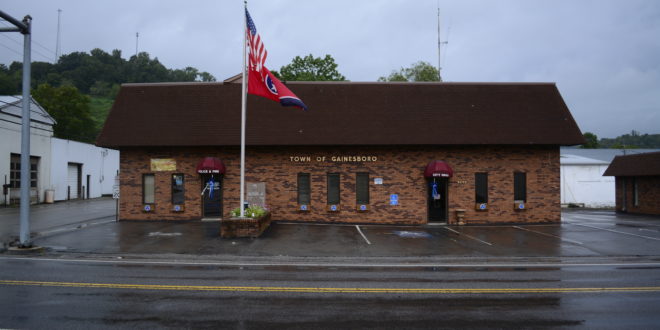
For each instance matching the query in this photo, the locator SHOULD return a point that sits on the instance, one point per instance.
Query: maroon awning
(438, 168)
(211, 165)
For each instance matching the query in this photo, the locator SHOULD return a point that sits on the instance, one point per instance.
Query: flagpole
(243, 106)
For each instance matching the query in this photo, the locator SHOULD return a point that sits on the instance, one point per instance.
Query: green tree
(205, 76)
(310, 68)
(420, 71)
(591, 141)
(8, 86)
(70, 108)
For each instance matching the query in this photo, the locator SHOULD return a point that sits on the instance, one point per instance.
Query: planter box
(244, 227)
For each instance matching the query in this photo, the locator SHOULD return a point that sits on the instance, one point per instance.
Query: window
(362, 188)
(333, 188)
(148, 189)
(178, 193)
(520, 186)
(481, 187)
(635, 192)
(304, 189)
(15, 171)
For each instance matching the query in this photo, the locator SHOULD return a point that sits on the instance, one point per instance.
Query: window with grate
(362, 188)
(15, 171)
(148, 189)
(178, 191)
(304, 189)
(481, 187)
(520, 186)
(333, 188)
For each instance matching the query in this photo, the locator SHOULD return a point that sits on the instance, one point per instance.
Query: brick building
(380, 153)
(637, 182)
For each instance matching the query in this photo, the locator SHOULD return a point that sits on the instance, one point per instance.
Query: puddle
(412, 234)
(157, 233)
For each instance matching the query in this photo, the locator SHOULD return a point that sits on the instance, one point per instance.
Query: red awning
(211, 165)
(438, 168)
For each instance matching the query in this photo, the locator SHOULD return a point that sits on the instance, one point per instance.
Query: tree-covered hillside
(88, 83)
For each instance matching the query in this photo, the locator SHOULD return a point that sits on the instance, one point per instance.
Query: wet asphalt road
(210, 296)
(596, 270)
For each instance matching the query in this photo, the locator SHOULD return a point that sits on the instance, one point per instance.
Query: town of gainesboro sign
(333, 159)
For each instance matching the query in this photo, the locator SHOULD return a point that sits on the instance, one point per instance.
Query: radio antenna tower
(440, 43)
(58, 45)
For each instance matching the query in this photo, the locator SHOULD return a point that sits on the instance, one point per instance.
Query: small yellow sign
(163, 164)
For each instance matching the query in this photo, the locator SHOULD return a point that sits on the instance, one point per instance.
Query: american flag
(257, 50)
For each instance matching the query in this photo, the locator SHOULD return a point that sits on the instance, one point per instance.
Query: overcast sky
(603, 55)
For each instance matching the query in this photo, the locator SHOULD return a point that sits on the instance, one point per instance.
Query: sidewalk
(583, 234)
(46, 217)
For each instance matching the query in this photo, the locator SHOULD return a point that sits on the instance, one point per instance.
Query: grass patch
(100, 107)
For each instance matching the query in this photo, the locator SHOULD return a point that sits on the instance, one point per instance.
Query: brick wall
(648, 192)
(401, 169)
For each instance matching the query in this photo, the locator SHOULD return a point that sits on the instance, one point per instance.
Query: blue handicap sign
(394, 199)
(147, 208)
(363, 207)
(333, 208)
(303, 207)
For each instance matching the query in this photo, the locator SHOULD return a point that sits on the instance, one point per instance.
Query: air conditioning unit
(519, 205)
(362, 207)
(481, 206)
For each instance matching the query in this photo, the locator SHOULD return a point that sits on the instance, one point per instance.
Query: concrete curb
(345, 262)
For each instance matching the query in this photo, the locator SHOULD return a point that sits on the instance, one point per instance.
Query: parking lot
(582, 233)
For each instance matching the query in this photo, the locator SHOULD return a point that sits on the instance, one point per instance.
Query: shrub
(255, 211)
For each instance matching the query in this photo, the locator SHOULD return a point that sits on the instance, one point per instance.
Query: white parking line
(549, 235)
(468, 236)
(616, 231)
(360, 231)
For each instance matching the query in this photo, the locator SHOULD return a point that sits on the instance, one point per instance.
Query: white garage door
(73, 180)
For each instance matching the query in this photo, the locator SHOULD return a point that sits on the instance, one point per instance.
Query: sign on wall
(115, 192)
(256, 193)
(394, 199)
(163, 164)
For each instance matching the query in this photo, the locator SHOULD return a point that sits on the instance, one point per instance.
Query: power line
(49, 57)
(21, 44)
(17, 52)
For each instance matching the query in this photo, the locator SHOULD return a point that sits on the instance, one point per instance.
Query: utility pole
(58, 45)
(137, 35)
(24, 28)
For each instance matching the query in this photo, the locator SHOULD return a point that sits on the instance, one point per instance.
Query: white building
(582, 180)
(41, 132)
(71, 169)
(81, 170)
(583, 183)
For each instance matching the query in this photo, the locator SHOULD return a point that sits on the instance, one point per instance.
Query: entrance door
(437, 198)
(212, 195)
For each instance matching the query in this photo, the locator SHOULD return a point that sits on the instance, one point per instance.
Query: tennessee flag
(260, 81)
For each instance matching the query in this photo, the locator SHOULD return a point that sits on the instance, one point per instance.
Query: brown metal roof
(635, 165)
(342, 113)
